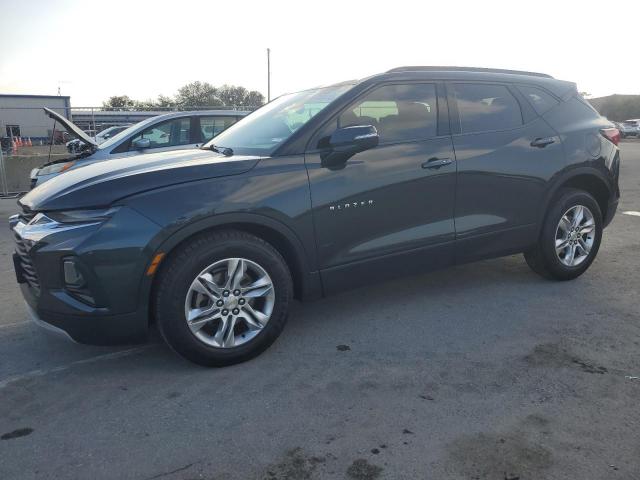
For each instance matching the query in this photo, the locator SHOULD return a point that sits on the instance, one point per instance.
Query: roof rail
(465, 69)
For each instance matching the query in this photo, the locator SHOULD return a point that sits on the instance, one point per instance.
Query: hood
(102, 183)
(71, 127)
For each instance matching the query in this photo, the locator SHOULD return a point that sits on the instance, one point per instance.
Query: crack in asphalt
(181, 469)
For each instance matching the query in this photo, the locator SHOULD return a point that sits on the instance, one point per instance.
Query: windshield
(124, 133)
(107, 132)
(268, 127)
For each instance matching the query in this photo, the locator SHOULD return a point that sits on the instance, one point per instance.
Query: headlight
(56, 168)
(82, 216)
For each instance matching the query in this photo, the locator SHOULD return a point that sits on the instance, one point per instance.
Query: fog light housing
(72, 276)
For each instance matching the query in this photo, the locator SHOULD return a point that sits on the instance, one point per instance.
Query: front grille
(28, 270)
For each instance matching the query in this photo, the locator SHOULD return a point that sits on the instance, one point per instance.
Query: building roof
(22, 95)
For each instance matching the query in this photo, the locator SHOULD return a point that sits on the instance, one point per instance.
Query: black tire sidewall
(566, 201)
(183, 270)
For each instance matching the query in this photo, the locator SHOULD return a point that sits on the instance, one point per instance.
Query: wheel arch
(306, 282)
(590, 180)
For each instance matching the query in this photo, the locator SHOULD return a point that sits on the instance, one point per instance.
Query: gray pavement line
(60, 368)
(14, 324)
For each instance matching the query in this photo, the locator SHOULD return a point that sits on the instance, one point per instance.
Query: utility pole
(268, 75)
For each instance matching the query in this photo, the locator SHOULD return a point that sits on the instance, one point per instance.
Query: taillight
(611, 134)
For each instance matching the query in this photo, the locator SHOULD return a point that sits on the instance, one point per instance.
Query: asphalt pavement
(483, 371)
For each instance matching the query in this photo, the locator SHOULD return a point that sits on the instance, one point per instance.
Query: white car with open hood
(171, 131)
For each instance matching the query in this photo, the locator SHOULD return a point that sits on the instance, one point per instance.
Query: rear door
(506, 153)
(389, 211)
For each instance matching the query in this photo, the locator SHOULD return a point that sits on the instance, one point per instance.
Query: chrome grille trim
(28, 269)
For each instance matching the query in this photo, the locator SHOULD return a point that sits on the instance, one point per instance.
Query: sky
(94, 49)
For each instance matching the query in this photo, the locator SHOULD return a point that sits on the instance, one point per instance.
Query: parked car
(316, 192)
(630, 128)
(168, 132)
(76, 145)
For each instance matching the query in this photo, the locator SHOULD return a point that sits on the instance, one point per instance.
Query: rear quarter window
(540, 100)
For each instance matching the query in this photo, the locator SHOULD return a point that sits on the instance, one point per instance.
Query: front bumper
(109, 308)
(91, 329)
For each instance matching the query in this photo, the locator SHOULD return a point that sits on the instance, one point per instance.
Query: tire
(543, 258)
(178, 294)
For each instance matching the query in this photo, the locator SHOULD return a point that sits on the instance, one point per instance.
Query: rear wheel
(223, 298)
(570, 237)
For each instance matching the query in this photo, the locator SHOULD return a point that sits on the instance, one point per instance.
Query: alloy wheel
(575, 235)
(229, 302)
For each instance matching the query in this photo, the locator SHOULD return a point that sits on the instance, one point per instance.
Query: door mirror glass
(345, 142)
(141, 143)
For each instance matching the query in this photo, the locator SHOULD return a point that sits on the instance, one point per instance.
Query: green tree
(254, 99)
(164, 101)
(119, 102)
(232, 95)
(198, 94)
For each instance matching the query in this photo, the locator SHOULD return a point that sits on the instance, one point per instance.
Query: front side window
(212, 126)
(400, 113)
(273, 124)
(541, 101)
(484, 107)
(167, 134)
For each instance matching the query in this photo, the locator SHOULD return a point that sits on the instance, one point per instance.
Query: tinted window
(399, 112)
(539, 99)
(212, 126)
(486, 107)
(168, 134)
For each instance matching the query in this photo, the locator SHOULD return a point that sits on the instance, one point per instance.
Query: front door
(389, 211)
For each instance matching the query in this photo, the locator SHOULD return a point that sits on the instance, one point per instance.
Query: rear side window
(400, 112)
(484, 107)
(212, 126)
(540, 100)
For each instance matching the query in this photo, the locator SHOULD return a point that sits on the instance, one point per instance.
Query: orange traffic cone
(19, 141)
(14, 147)
(29, 142)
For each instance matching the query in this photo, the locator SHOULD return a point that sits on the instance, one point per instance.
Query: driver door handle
(543, 142)
(435, 163)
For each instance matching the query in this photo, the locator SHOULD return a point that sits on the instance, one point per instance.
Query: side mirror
(345, 142)
(142, 143)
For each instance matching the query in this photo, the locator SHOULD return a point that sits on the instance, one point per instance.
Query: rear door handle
(543, 142)
(436, 162)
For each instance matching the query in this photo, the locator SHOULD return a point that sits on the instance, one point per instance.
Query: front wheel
(570, 237)
(223, 298)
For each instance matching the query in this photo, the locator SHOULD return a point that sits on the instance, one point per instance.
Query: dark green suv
(319, 191)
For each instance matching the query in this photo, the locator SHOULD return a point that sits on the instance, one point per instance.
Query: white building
(22, 115)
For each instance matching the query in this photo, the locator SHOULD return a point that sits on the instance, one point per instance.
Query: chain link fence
(29, 138)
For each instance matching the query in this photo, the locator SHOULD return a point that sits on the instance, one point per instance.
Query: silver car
(631, 128)
(172, 131)
(76, 145)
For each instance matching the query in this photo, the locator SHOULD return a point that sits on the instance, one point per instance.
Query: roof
(560, 88)
(21, 95)
(426, 68)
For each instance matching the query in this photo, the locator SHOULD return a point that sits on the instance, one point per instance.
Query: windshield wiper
(226, 151)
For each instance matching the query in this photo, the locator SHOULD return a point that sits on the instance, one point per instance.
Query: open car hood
(72, 128)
